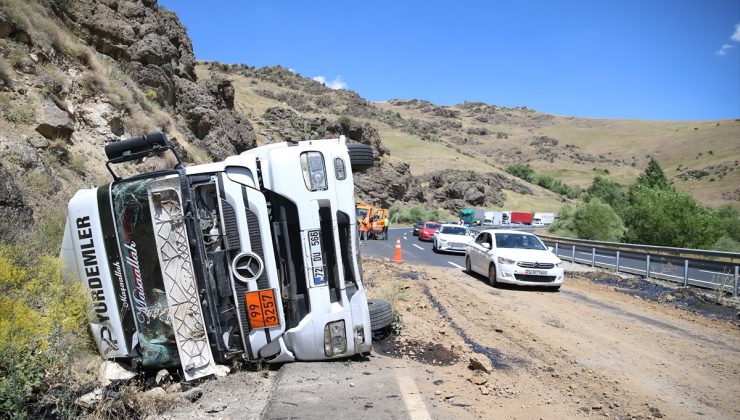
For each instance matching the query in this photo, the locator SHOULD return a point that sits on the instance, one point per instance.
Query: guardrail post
(736, 281)
(556, 248)
(647, 266)
(685, 273)
(593, 257)
(573, 254)
(617, 263)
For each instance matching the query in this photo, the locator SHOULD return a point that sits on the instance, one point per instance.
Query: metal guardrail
(659, 261)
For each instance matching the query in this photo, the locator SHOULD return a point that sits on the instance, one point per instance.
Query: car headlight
(502, 260)
(335, 339)
(314, 171)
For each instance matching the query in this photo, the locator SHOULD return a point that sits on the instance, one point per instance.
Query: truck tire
(381, 314)
(360, 156)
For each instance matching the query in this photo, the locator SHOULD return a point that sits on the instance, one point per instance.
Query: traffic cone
(397, 256)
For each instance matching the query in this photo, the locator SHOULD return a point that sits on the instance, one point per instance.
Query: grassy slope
(673, 143)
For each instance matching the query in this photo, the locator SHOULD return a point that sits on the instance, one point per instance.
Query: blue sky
(649, 59)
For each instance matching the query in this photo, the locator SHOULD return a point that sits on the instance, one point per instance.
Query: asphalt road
(417, 252)
(413, 250)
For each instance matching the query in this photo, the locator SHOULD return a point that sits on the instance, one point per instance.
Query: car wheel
(468, 269)
(492, 275)
(381, 314)
(434, 247)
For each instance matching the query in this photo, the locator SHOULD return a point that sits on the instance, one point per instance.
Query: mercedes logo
(247, 266)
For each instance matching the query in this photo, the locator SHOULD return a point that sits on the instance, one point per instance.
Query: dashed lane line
(418, 246)
(453, 264)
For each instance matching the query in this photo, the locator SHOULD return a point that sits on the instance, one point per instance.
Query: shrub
(42, 316)
(17, 113)
(597, 220)
(345, 122)
(521, 170)
(666, 217)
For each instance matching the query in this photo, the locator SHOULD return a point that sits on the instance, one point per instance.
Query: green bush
(42, 324)
(727, 244)
(409, 215)
(593, 220)
(666, 217)
(521, 170)
(597, 221)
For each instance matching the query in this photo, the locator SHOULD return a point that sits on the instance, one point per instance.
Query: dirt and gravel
(590, 349)
(594, 349)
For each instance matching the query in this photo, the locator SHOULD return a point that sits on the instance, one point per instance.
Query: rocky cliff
(75, 75)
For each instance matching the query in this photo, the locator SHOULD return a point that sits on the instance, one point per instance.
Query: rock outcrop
(160, 58)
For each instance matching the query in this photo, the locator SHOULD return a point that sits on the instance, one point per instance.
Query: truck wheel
(360, 156)
(381, 314)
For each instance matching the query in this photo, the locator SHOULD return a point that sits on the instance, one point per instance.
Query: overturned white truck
(255, 256)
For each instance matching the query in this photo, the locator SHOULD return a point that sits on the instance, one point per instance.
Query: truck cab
(254, 257)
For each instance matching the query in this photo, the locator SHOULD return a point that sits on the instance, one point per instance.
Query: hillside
(700, 157)
(75, 76)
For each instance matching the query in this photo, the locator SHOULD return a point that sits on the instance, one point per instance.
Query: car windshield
(361, 213)
(454, 230)
(418, 224)
(431, 225)
(518, 240)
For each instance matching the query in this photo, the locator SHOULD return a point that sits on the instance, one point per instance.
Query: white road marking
(410, 394)
(453, 264)
(418, 246)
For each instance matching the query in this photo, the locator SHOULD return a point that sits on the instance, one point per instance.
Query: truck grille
(544, 266)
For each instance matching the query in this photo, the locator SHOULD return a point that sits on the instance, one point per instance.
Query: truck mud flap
(173, 250)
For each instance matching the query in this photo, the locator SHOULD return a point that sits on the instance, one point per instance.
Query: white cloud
(726, 47)
(337, 83)
(291, 70)
(736, 35)
(723, 49)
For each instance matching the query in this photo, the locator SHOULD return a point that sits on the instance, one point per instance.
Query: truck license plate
(536, 272)
(261, 309)
(317, 258)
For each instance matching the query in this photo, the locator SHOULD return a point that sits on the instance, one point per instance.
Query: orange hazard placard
(261, 309)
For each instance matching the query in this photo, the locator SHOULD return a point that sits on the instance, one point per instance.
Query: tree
(605, 190)
(653, 176)
(598, 221)
(564, 224)
(667, 217)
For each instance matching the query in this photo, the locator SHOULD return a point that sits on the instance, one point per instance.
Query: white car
(514, 257)
(452, 238)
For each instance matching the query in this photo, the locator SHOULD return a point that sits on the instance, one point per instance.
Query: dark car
(418, 226)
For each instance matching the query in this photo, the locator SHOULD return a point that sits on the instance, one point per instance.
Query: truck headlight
(314, 171)
(502, 260)
(335, 339)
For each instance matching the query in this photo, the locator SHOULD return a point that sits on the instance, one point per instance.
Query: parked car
(452, 238)
(418, 226)
(427, 230)
(515, 257)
